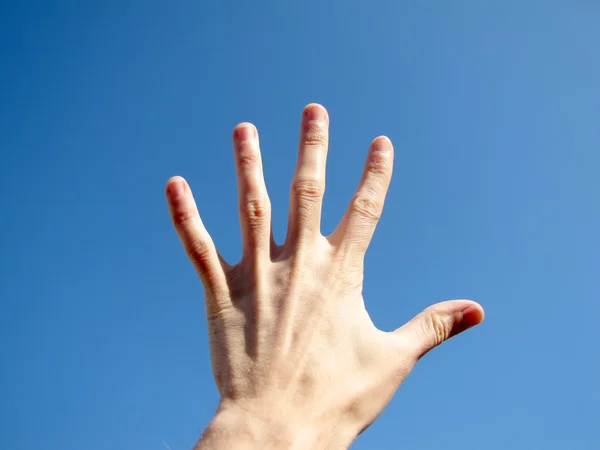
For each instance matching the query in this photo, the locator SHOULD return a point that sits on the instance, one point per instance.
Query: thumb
(438, 323)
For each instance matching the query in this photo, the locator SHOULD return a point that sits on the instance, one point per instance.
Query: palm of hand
(289, 333)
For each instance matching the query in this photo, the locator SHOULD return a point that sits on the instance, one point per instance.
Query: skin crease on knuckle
(315, 134)
(247, 155)
(379, 162)
(315, 141)
(436, 326)
(256, 210)
(366, 207)
(308, 189)
(199, 250)
(180, 218)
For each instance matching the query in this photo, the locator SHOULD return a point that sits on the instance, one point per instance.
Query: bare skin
(296, 358)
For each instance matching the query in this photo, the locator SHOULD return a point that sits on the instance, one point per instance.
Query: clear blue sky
(494, 110)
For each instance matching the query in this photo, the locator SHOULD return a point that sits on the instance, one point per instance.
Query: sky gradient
(493, 108)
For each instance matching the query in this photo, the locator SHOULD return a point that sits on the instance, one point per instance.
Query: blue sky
(493, 108)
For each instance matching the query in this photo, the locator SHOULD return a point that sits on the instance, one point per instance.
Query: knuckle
(308, 189)
(438, 328)
(199, 249)
(378, 163)
(247, 154)
(180, 219)
(366, 207)
(315, 134)
(315, 139)
(255, 209)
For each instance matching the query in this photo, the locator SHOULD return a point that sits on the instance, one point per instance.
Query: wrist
(244, 429)
(239, 430)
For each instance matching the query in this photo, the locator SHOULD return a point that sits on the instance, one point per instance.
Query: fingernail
(471, 316)
(244, 133)
(176, 188)
(382, 144)
(315, 112)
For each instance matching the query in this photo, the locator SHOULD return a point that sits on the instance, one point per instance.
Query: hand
(296, 358)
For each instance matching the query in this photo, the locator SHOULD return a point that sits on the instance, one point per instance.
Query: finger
(438, 323)
(195, 239)
(308, 185)
(254, 204)
(358, 224)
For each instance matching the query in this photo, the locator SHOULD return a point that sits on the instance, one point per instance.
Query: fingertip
(472, 315)
(467, 314)
(244, 131)
(315, 111)
(382, 143)
(176, 187)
